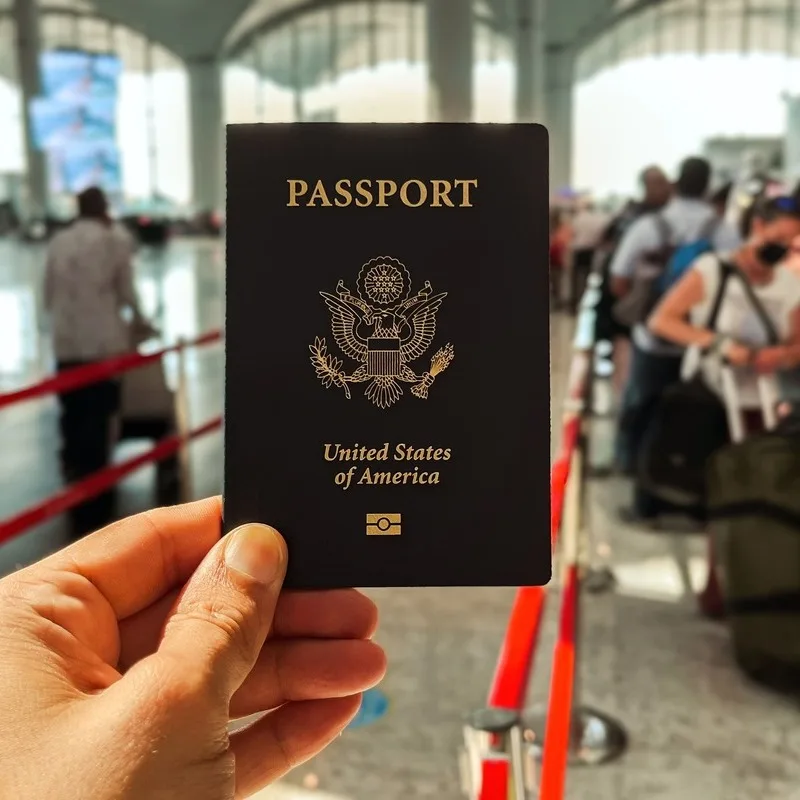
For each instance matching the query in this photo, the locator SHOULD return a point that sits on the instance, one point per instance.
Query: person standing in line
(88, 284)
(588, 227)
(656, 364)
(559, 244)
(657, 190)
(741, 336)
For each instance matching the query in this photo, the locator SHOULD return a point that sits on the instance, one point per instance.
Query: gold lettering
(448, 454)
(385, 189)
(363, 190)
(328, 455)
(423, 193)
(383, 453)
(319, 193)
(441, 193)
(413, 193)
(344, 195)
(297, 188)
(465, 190)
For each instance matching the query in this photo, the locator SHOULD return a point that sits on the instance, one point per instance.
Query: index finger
(137, 560)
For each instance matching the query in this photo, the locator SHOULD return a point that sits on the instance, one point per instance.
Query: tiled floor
(698, 730)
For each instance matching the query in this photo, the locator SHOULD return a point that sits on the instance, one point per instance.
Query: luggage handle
(767, 395)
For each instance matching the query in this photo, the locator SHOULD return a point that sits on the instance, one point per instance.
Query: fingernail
(256, 551)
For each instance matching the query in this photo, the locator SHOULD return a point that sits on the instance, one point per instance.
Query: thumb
(223, 616)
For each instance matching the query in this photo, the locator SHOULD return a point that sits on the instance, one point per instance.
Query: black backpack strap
(725, 272)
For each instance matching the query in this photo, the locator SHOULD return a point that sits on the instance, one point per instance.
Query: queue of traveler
(701, 298)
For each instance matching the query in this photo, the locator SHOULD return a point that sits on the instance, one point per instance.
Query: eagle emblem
(384, 329)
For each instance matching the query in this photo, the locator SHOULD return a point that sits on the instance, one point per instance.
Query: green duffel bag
(754, 519)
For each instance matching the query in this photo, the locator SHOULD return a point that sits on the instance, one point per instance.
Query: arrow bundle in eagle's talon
(439, 363)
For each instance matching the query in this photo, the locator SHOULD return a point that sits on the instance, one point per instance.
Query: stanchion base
(597, 738)
(599, 580)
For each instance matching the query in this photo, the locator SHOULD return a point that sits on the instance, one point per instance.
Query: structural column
(559, 114)
(531, 83)
(450, 60)
(205, 102)
(792, 141)
(26, 20)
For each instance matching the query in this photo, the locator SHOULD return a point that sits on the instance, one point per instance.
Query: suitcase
(753, 490)
(147, 411)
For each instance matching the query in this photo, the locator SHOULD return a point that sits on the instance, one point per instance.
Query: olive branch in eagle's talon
(328, 367)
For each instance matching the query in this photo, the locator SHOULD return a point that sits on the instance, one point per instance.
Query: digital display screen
(75, 120)
(57, 123)
(73, 76)
(86, 164)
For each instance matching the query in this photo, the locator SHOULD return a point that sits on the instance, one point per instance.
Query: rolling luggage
(147, 411)
(753, 491)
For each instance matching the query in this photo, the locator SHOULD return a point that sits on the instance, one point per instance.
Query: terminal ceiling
(202, 29)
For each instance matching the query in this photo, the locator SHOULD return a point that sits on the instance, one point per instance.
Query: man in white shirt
(588, 227)
(88, 282)
(656, 365)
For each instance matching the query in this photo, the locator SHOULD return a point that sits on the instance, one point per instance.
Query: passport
(387, 400)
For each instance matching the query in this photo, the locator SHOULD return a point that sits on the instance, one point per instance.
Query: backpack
(661, 269)
(688, 425)
(682, 257)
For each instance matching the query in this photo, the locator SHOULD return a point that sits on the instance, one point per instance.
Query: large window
(153, 112)
(665, 81)
(356, 61)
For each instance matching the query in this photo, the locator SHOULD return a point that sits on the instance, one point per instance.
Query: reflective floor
(698, 730)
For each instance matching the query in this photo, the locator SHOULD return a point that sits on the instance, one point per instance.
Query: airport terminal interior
(621, 85)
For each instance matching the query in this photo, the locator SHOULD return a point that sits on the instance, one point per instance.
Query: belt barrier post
(491, 735)
(596, 579)
(595, 737)
(183, 424)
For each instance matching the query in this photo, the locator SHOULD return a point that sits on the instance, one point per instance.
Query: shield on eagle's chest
(383, 357)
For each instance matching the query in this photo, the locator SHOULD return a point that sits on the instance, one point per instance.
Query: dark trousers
(650, 375)
(582, 262)
(85, 422)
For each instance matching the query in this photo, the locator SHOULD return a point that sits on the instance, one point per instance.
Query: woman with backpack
(754, 302)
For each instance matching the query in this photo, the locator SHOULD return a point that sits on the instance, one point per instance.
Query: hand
(770, 359)
(125, 655)
(737, 355)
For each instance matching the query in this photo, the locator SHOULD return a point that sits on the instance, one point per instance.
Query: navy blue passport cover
(387, 401)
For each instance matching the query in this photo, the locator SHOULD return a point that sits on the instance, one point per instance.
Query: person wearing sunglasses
(757, 327)
(764, 294)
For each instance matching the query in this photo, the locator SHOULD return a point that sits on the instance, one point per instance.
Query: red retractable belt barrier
(512, 673)
(92, 373)
(96, 484)
(559, 711)
(103, 480)
(495, 775)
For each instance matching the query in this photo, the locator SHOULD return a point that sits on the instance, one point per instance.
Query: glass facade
(357, 61)
(153, 104)
(669, 77)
